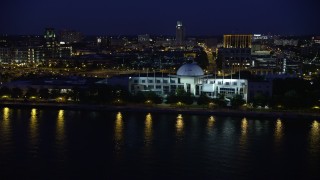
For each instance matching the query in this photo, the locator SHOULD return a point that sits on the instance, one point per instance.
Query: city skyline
(132, 18)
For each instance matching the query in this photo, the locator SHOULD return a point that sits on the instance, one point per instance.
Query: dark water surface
(65, 144)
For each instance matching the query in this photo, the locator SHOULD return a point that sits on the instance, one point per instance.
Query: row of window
(165, 88)
(227, 91)
(229, 83)
(165, 81)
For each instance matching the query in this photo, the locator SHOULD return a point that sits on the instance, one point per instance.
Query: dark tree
(203, 100)
(121, 93)
(55, 93)
(44, 93)
(260, 99)
(237, 101)
(295, 93)
(171, 98)
(31, 92)
(105, 94)
(74, 94)
(83, 95)
(16, 92)
(5, 91)
(153, 97)
(184, 97)
(202, 59)
(142, 97)
(139, 97)
(292, 99)
(220, 101)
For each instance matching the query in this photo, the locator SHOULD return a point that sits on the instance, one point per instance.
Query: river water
(66, 144)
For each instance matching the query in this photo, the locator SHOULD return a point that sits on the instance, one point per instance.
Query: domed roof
(191, 69)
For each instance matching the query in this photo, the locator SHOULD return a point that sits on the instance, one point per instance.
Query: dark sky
(124, 17)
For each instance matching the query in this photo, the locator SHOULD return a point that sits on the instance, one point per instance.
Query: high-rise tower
(236, 52)
(50, 43)
(237, 41)
(179, 33)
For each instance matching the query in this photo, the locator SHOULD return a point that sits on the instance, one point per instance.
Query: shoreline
(169, 109)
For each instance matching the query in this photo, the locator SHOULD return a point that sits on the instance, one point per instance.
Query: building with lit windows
(192, 79)
(237, 41)
(27, 55)
(68, 36)
(179, 33)
(50, 46)
(236, 52)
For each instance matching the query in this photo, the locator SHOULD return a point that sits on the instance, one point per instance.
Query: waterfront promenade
(165, 108)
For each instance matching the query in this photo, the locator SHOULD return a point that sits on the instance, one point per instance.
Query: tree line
(105, 94)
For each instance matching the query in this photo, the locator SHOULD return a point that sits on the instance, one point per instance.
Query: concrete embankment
(168, 109)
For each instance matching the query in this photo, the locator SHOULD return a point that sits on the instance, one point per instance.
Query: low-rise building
(192, 79)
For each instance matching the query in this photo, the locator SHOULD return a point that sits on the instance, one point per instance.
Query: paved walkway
(165, 108)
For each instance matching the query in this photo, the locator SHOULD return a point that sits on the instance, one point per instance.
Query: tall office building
(50, 46)
(69, 37)
(237, 41)
(179, 33)
(236, 52)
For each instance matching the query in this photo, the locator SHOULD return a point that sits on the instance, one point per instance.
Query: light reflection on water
(211, 121)
(213, 146)
(179, 125)
(60, 126)
(148, 129)
(244, 126)
(118, 131)
(5, 126)
(33, 135)
(315, 138)
(244, 132)
(6, 114)
(278, 132)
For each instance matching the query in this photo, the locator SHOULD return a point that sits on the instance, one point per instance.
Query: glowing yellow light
(278, 130)
(315, 125)
(148, 120)
(60, 125)
(33, 126)
(148, 128)
(5, 97)
(6, 116)
(315, 130)
(211, 121)
(244, 126)
(6, 113)
(5, 125)
(118, 127)
(315, 107)
(179, 103)
(179, 123)
(211, 105)
(244, 132)
(315, 138)
(33, 113)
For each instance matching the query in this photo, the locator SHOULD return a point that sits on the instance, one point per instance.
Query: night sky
(130, 17)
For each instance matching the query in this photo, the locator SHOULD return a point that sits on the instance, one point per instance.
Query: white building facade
(191, 78)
